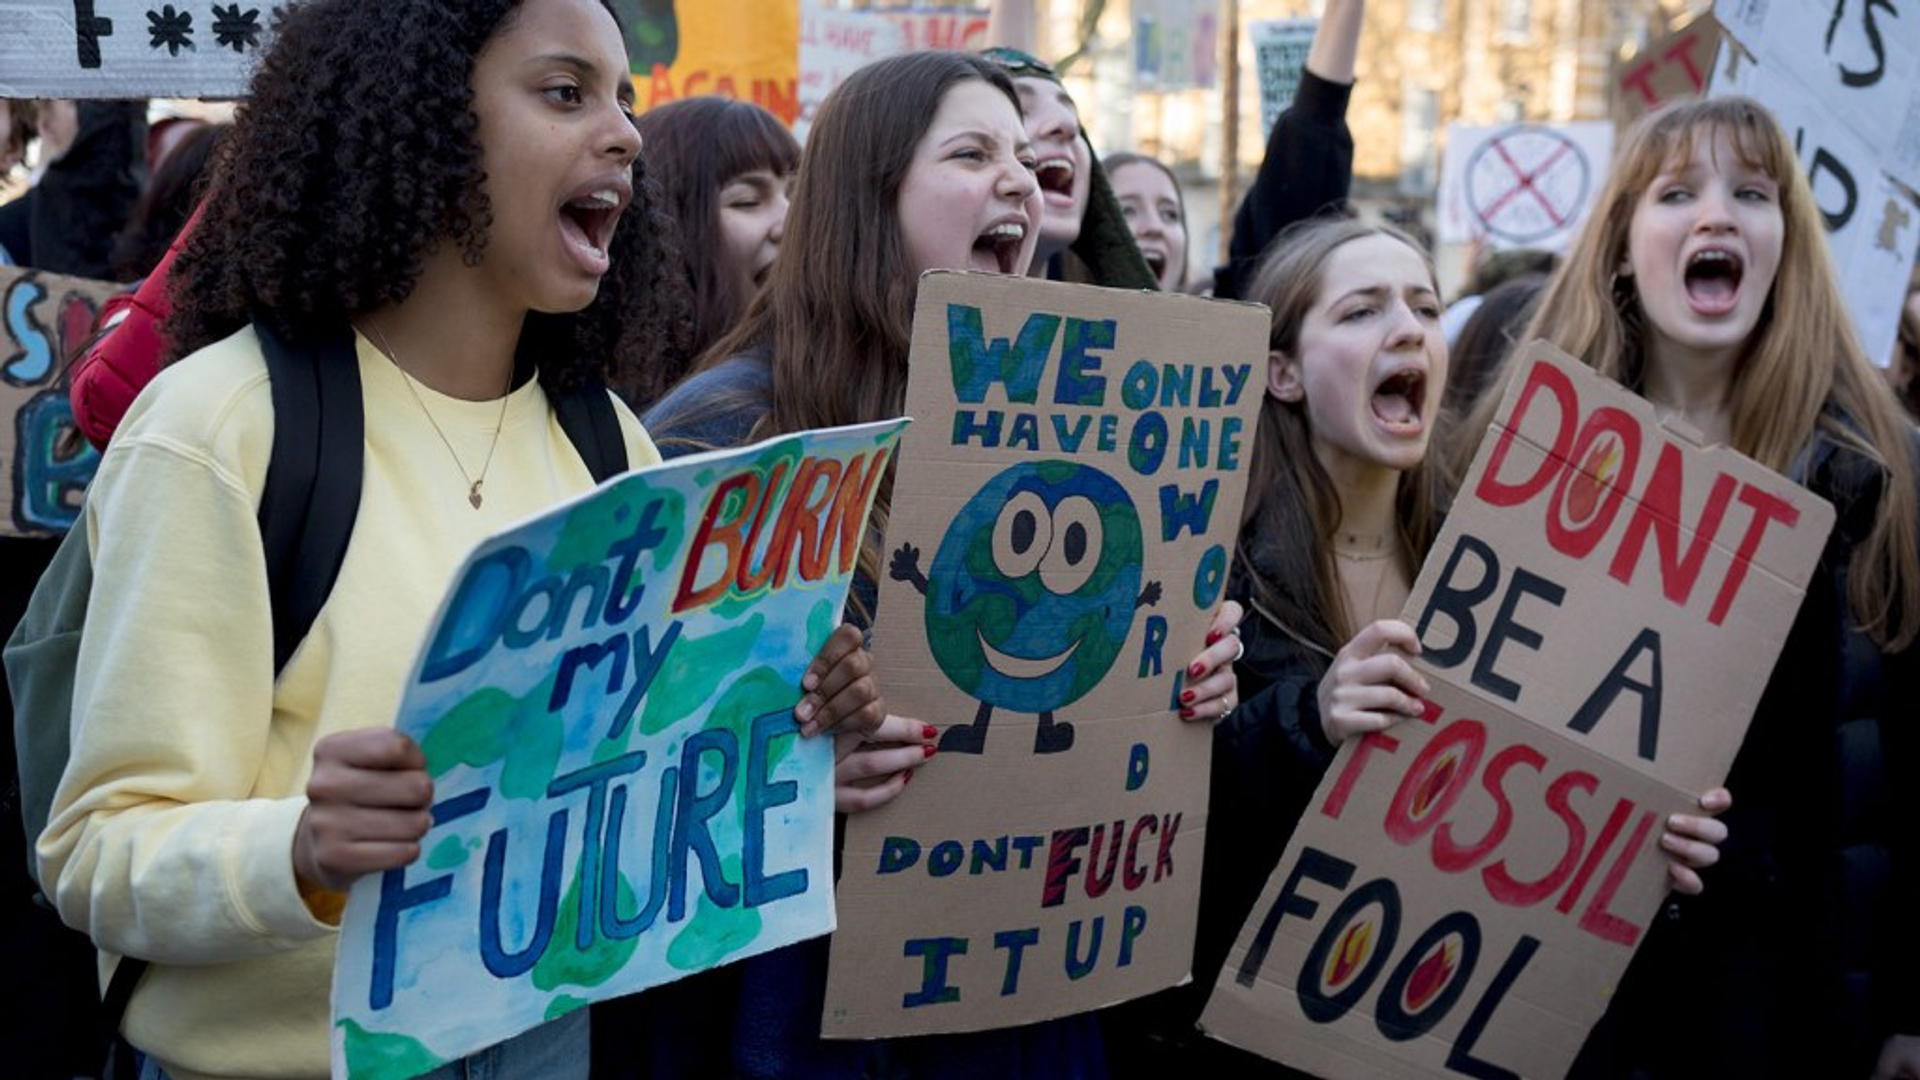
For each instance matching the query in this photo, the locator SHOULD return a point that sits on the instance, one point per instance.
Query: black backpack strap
(586, 415)
(119, 1062)
(306, 518)
(307, 511)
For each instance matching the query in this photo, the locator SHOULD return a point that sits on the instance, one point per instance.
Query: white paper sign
(1873, 226)
(131, 48)
(1521, 185)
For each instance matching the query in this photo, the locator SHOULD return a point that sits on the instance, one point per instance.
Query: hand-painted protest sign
(130, 48)
(1597, 622)
(1060, 535)
(47, 463)
(1861, 61)
(605, 702)
(1873, 223)
(938, 27)
(743, 49)
(1673, 68)
(833, 45)
(1521, 185)
(1280, 48)
(1176, 44)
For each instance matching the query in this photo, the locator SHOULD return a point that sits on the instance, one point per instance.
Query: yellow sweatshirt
(172, 831)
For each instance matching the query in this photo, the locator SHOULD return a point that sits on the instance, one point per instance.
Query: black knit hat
(1105, 246)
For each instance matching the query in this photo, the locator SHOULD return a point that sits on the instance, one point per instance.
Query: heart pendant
(473, 496)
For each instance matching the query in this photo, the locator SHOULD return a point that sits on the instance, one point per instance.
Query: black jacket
(1308, 168)
(1799, 959)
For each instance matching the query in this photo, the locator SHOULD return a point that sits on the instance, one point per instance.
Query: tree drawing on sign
(1032, 594)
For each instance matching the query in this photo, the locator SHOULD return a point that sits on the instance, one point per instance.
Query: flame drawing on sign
(1355, 945)
(1434, 784)
(1596, 475)
(1432, 976)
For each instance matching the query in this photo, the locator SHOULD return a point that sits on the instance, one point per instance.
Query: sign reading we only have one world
(1058, 543)
(1597, 622)
(621, 796)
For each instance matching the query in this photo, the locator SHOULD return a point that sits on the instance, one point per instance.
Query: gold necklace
(474, 483)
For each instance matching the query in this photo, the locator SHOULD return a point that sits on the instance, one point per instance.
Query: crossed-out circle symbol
(1527, 183)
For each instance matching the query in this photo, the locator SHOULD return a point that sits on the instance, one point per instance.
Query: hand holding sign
(1370, 686)
(367, 808)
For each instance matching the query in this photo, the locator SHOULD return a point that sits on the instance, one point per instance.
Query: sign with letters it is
(1597, 622)
(622, 798)
(1856, 129)
(1061, 529)
(131, 48)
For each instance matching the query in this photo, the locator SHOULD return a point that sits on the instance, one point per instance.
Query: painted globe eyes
(1076, 546)
(1063, 545)
(1021, 535)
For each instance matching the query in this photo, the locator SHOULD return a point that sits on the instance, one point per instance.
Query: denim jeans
(556, 1050)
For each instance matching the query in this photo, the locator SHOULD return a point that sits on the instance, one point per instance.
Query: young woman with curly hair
(1702, 282)
(459, 181)
(724, 167)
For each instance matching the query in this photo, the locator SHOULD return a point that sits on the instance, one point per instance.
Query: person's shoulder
(713, 408)
(215, 401)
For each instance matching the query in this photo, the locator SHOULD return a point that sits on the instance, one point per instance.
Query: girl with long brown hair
(915, 163)
(724, 167)
(1702, 282)
(1344, 503)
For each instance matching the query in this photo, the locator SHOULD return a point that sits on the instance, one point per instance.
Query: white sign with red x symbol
(1521, 185)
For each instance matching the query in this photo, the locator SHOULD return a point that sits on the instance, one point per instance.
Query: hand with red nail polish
(870, 770)
(1211, 691)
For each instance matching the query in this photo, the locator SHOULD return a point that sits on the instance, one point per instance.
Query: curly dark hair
(354, 158)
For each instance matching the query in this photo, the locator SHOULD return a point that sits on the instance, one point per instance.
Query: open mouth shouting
(1399, 401)
(1713, 281)
(588, 217)
(997, 250)
(1055, 175)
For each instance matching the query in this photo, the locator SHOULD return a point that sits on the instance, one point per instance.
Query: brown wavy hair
(1803, 370)
(354, 157)
(1293, 508)
(694, 148)
(836, 314)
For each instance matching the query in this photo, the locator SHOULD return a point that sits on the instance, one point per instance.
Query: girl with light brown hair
(1702, 282)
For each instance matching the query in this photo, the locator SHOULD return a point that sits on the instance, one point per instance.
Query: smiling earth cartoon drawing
(1032, 594)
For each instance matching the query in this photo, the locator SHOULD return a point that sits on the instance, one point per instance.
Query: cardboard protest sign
(743, 49)
(1521, 185)
(1060, 534)
(1597, 622)
(131, 48)
(1671, 69)
(1280, 48)
(833, 45)
(622, 797)
(1873, 223)
(47, 463)
(1176, 44)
